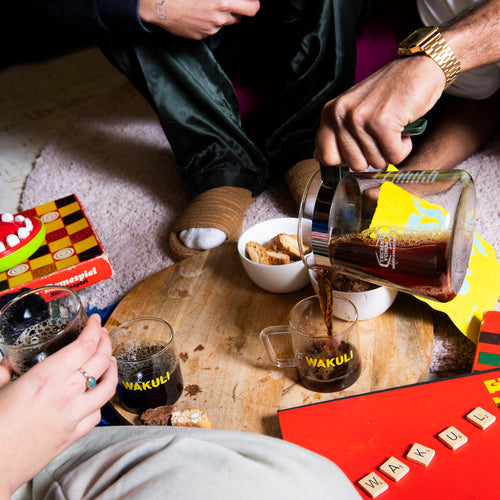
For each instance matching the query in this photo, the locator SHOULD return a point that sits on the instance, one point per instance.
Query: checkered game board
(69, 241)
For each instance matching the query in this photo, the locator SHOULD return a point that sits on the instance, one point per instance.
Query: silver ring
(90, 381)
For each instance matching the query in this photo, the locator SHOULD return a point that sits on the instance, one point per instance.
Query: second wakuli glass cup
(149, 372)
(326, 354)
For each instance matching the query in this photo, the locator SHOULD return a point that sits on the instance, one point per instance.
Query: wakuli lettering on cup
(37, 323)
(148, 367)
(327, 359)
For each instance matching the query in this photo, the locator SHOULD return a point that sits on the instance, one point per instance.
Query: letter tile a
(394, 468)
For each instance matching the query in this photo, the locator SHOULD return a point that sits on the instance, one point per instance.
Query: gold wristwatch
(428, 41)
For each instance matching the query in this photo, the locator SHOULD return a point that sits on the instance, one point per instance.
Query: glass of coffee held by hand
(325, 339)
(149, 372)
(37, 323)
(408, 230)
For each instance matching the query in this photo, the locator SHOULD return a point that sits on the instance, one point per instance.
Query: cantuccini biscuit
(190, 418)
(257, 253)
(277, 258)
(283, 249)
(286, 243)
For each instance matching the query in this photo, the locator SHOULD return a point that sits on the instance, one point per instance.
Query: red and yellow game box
(70, 255)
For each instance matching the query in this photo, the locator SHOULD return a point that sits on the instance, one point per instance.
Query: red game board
(360, 433)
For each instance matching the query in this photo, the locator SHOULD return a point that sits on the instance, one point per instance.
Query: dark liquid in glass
(33, 338)
(341, 363)
(419, 262)
(151, 382)
(340, 369)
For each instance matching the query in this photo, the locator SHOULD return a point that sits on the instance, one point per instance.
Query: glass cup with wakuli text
(149, 372)
(325, 343)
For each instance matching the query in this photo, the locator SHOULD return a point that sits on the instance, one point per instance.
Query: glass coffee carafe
(408, 230)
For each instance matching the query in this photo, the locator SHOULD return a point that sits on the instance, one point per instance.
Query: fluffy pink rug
(116, 159)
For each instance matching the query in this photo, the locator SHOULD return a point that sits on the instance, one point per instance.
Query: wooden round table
(217, 314)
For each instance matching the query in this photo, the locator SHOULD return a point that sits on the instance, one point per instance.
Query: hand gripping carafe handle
(331, 175)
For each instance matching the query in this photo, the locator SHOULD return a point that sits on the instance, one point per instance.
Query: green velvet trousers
(295, 55)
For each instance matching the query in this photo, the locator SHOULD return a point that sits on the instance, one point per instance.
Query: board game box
(488, 347)
(70, 255)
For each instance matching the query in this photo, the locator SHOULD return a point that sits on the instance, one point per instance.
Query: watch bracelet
(442, 54)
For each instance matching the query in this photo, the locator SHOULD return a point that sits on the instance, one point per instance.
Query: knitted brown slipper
(222, 208)
(298, 177)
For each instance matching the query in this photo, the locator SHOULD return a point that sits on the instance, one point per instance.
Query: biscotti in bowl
(268, 252)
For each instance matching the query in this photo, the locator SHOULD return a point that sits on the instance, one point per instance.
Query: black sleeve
(30, 29)
(84, 16)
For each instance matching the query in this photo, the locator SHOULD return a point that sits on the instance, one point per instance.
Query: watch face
(419, 36)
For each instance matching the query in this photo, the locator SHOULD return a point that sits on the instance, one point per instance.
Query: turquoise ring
(90, 381)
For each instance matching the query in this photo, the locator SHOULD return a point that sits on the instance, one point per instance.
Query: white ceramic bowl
(369, 304)
(278, 279)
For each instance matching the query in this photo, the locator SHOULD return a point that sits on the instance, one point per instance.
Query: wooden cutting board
(217, 314)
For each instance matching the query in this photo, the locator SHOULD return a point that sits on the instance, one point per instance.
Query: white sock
(202, 238)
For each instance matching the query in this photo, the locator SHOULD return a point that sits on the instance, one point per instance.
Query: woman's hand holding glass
(52, 405)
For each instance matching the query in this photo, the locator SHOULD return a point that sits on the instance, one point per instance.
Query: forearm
(475, 37)
(152, 11)
(195, 19)
(22, 455)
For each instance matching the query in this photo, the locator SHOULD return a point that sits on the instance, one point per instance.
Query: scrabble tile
(420, 454)
(480, 418)
(373, 485)
(394, 468)
(452, 438)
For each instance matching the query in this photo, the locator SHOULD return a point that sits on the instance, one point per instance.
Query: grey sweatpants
(180, 463)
